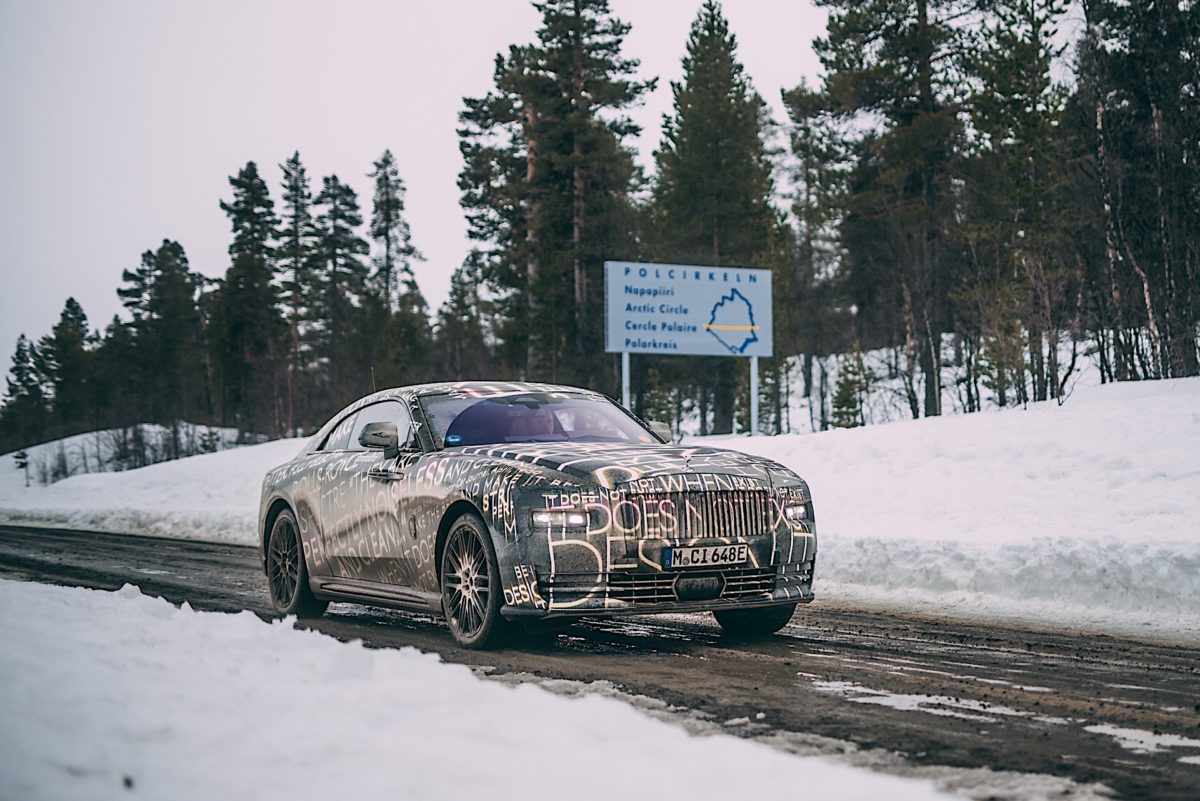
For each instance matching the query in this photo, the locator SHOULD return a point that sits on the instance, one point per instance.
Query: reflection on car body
(495, 503)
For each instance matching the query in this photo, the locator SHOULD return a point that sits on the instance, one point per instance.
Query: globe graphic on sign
(732, 322)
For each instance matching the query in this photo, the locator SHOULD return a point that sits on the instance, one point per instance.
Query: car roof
(462, 389)
(478, 389)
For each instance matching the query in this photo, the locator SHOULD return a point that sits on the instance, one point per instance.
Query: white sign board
(674, 309)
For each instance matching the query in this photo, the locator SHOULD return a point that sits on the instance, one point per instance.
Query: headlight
(795, 511)
(559, 518)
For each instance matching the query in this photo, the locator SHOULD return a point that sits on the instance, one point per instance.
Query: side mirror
(662, 429)
(381, 436)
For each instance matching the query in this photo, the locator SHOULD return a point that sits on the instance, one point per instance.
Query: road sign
(681, 310)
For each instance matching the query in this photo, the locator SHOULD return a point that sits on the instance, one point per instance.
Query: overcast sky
(123, 120)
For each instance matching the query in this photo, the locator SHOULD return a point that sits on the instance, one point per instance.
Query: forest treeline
(966, 186)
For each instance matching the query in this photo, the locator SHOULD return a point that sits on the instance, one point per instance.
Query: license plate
(706, 556)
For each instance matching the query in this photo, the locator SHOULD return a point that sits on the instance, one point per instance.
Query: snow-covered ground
(1083, 515)
(119, 695)
(115, 449)
(213, 496)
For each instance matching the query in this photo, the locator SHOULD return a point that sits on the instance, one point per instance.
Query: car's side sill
(368, 592)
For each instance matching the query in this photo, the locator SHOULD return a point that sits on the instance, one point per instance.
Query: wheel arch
(273, 511)
(456, 510)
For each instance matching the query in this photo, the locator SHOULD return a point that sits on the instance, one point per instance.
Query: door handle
(385, 475)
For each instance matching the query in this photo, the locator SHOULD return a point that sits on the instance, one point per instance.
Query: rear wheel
(287, 574)
(760, 622)
(471, 592)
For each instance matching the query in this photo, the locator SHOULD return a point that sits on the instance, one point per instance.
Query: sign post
(753, 395)
(688, 310)
(625, 379)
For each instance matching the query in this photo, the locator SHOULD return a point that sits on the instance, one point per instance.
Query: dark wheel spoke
(287, 574)
(473, 616)
(466, 571)
(284, 564)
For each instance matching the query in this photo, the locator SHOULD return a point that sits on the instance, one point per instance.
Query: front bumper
(565, 595)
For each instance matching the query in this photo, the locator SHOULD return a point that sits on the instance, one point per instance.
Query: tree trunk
(577, 218)
(533, 356)
(910, 352)
(931, 352)
(1124, 363)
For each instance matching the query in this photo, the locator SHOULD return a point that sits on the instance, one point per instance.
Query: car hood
(613, 464)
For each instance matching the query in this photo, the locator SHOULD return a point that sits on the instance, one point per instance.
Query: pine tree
(1017, 213)
(252, 215)
(67, 361)
(341, 311)
(462, 350)
(711, 199)
(135, 294)
(25, 413)
(247, 331)
(894, 73)
(1141, 72)
(393, 275)
(168, 356)
(849, 399)
(174, 340)
(402, 346)
(498, 202)
(807, 318)
(546, 185)
(295, 257)
(116, 393)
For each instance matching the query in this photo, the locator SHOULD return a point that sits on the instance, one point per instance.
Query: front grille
(644, 588)
(656, 588)
(693, 515)
(749, 582)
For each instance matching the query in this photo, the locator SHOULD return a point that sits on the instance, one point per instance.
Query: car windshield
(529, 417)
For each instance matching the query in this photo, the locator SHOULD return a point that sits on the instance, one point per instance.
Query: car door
(323, 499)
(372, 541)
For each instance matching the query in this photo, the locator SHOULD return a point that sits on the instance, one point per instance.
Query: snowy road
(1053, 711)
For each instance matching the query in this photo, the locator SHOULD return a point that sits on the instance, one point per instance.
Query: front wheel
(760, 622)
(471, 592)
(287, 574)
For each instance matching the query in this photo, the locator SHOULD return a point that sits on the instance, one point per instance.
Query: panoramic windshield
(529, 417)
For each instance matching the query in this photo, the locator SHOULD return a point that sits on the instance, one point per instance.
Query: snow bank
(112, 450)
(116, 695)
(214, 496)
(1084, 514)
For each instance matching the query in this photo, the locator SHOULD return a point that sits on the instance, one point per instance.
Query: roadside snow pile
(112, 450)
(113, 695)
(214, 496)
(1085, 515)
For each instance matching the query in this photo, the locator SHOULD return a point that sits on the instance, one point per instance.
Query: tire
(761, 622)
(470, 582)
(287, 573)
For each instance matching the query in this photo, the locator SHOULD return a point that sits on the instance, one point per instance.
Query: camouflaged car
(496, 504)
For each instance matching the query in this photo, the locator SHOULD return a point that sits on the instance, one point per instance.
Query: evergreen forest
(986, 202)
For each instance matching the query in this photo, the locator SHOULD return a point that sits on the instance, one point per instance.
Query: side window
(384, 412)
(339, 437)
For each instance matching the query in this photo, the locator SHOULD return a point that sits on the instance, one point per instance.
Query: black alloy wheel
(287, 574)
(471, 585)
